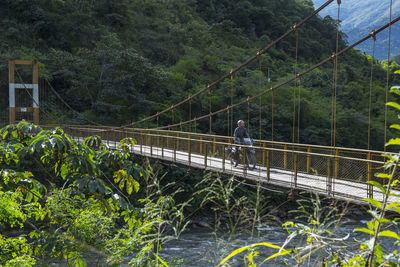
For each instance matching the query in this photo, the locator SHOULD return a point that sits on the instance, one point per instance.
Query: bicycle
(235, 154)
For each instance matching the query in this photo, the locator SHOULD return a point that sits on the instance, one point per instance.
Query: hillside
(359, 18)
(70, 199)
(117, 62)
(175, 45)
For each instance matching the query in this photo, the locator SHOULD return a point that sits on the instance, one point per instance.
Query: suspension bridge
(331, 170)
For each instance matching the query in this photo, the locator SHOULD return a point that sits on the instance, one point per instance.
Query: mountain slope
(359, 18)
(119, 61)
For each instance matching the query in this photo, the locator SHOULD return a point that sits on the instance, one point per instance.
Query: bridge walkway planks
(342, 189)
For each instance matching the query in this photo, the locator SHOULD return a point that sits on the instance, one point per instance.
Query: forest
(116, 62)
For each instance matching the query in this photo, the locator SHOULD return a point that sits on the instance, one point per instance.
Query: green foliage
(121, 178)
(281, 252)
(113, 78)
(145, 234)
(16, 252)
(222, 195)
(374, 254)
(119, 62)
(320, 220)
(10, 211)
(74, 259)
(92, 225)
(85, 208)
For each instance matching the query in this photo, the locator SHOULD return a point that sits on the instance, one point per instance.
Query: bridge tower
(15, 89)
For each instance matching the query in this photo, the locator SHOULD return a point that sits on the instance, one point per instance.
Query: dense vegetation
(76, 202)
(83, 202)
(116, 62)
(119, 61)
(65, 198)
(322, 246)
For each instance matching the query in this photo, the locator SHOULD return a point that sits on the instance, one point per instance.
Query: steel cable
(69, 107)
(335, 79)
(259, 100)
(30, 95)
(233, 71)
(232, 89)
(387, 76)
(370, 90)
(289, 80)
(295, 85)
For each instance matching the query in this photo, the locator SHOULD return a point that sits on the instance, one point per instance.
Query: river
(203, 247)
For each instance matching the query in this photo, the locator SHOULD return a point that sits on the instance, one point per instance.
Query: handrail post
(214, 140)
(148, 138)
(244, 160)
(336, 173)
(167, 139)
(162, 147)
(328, 176)
(131, 135)
(263, 154)
(189, 150)
(158, 140)
(151, 145)
(126, 133)
(285, 157)
(295, 167)
(177, 141)
(118, 136)
(223, 157)
(114, 139)
(141, 143)
(201, 144)
(108, 138)
(308, 159)
(370, 188)
(175, 145)
(205, 155)
(268, 166)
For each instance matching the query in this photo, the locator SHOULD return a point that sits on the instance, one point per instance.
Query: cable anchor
(373, 35)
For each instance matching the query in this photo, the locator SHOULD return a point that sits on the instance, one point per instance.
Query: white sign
(24, 109)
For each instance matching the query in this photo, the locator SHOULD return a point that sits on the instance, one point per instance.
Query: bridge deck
(349, 183)
(342, 189)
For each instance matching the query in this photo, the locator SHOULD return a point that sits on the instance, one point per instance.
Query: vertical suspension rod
(295, 84)
(190, 113)
(210, 118)
(335, 80)
(248, 114)
(231, 128)
(387, 75)
(370, 90)
(259, 102)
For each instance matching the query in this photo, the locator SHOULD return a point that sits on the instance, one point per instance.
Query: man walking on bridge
(241, 137)
(240, 133)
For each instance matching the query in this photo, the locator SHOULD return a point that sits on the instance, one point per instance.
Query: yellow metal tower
(13, 92)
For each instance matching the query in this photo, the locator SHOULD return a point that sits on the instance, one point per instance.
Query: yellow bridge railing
(335, 171)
